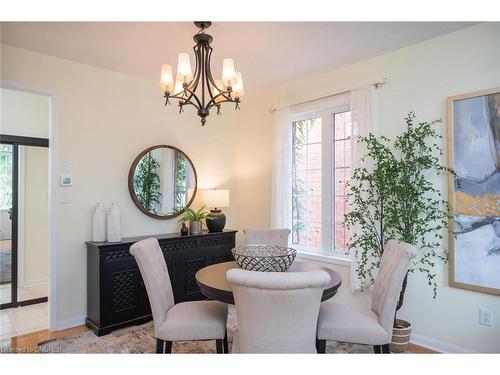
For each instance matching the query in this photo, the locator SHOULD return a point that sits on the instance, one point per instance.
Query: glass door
(6, 172)
(24, 220)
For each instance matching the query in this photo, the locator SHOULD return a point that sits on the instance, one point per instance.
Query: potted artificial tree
(395, 199)
(195, 219)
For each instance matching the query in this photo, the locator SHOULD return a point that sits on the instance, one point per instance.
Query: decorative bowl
(264, 258)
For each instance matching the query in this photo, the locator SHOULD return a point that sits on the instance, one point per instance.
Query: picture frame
(474, 193)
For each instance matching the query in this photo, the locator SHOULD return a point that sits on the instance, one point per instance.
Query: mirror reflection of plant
(147, 182)
(191, 215)
(396, 200)
(180, 181)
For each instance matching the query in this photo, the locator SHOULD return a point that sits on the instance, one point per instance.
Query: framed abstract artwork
(474, 193)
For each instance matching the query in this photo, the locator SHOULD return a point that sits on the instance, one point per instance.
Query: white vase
(114, 229)
(99, 223)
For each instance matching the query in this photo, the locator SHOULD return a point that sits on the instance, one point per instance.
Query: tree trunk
(401, 297)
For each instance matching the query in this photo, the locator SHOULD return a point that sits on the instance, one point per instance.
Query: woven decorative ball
(264, 258)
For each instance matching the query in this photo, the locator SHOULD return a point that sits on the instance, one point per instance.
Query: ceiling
(265, 52)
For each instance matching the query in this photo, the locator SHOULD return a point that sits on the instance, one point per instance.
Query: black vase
(217, 221)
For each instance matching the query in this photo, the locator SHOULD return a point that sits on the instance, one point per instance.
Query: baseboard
(437, 345)
(70, 323)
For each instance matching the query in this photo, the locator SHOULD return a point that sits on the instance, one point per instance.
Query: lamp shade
(216, 198)
(238, 88)
(228, 73)
(184, 73)
(166, 78)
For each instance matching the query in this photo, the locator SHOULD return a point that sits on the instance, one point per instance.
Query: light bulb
(166, 78)
(184, 68)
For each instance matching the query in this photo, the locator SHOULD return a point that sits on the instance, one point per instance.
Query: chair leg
(218, 346)
(377, 349)
(160, 345)
(386, 349)
(321, 346)
(168, 347)
(226, 346)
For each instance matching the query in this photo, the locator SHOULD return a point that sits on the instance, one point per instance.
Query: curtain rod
(377, 85)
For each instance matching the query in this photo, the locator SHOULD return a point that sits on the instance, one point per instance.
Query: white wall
(23, 113)
(34, 225)
(420, 78)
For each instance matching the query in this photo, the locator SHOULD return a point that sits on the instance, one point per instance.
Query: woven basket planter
(400, 336)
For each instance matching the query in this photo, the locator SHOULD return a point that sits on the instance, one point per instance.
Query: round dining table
(213, 283)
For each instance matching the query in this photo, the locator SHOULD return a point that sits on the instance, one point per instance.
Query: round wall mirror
(162, 181)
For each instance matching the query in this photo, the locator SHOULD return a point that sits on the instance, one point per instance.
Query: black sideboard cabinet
(116, 295)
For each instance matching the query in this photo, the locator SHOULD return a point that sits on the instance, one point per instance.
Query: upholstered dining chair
(369, 325)
(277, 312)
(276, 237)
(187, 321)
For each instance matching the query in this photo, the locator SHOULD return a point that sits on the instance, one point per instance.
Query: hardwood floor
(28, 343)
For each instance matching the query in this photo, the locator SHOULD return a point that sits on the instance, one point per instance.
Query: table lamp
(216, 199)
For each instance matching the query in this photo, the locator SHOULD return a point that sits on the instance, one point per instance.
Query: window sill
(324, 258)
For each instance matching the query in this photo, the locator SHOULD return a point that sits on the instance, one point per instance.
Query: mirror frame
(131, 183)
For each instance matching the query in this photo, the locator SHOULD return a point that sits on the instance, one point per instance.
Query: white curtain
(364, 115)
(282, 174)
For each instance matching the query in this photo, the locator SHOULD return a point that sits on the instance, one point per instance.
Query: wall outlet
(485, 317)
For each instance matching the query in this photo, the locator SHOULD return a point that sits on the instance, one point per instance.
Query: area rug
(140, 339)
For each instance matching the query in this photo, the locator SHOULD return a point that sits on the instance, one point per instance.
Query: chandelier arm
(184, 101)
(209, 77)
(189, 101)
(214, 104)
(227, 99)
(193, 85)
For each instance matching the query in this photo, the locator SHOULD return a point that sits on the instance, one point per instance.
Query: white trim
(324, 258)
(53, 183)
(437, 345)
(20, 216)
(69, 323)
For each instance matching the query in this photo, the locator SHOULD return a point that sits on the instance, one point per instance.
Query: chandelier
(212, 92)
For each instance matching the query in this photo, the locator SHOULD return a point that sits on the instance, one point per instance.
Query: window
(320, 168)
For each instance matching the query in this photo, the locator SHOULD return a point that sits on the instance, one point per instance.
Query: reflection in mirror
(164, 181)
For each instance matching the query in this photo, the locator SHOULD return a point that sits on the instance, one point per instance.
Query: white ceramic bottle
(114, 228)
(99, 223)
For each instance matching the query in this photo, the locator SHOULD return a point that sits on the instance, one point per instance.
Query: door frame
(53, 193)
(17, 141)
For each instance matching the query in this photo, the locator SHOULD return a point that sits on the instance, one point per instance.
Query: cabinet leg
(377, 349)
(386, 349)
(218, 346)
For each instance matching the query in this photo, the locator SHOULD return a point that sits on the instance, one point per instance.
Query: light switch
(66, 196)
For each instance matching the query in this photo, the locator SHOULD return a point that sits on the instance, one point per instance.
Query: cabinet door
(218, 248)
(120, 285)
(174, 252)
(187, 266)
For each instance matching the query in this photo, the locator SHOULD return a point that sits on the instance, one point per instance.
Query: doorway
(24, 221)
